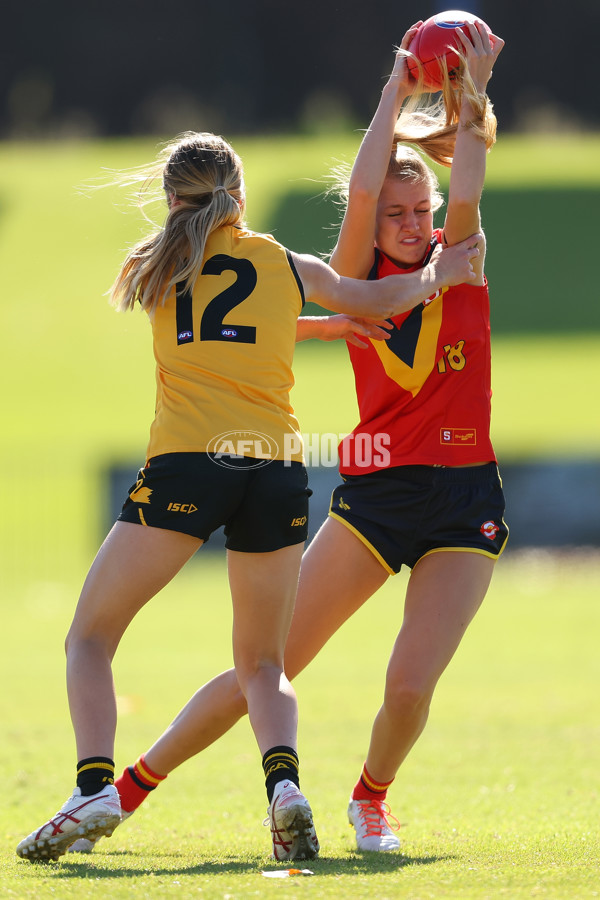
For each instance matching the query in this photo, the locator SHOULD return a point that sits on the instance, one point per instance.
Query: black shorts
(262, 504)
(403, 513)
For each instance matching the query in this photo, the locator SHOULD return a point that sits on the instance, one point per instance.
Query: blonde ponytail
(433, 128)
(202, 177)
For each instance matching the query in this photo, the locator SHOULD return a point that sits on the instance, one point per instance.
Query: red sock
(366, 788)
(135, 784)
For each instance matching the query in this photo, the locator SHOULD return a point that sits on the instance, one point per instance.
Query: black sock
(94, 773)
(280, 764)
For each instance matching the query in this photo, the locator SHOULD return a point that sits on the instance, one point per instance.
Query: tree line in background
(124, 67)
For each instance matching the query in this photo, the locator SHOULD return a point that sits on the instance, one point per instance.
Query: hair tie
(219, 187)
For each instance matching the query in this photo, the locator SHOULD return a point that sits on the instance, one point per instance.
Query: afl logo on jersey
(184, 336)
(228, 332)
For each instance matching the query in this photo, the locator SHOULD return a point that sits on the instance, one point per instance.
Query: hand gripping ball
(437, 39)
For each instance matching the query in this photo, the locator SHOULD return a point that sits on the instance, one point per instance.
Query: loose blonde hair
(433, 128)
(204, 173)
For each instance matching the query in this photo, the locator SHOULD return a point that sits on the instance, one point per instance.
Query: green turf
(498, 799)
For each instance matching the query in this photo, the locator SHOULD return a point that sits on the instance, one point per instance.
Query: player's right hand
(454, 264)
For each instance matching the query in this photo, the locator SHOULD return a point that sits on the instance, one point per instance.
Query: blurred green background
(78, 377)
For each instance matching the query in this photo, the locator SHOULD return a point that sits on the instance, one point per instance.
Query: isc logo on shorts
(182, 507)
(300, 520)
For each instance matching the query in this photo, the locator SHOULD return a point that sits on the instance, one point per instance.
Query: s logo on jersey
(489, 529)
(460, 436)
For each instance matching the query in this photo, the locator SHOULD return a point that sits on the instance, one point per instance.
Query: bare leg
(132, 565)
(338, 574)
(444, 592)
(208, 714)
(263, 590)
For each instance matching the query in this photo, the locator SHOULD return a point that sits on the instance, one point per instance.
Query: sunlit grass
(498, 799)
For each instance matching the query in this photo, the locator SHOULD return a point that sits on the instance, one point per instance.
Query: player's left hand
(349, 328)
(481, 51)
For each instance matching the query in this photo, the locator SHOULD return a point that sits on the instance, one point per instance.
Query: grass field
(500, 797)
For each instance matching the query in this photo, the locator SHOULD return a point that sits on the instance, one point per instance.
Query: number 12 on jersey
(212, 327)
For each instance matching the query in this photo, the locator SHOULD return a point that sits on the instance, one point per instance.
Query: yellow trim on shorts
(487, 553)
(364, 541)
(142, 519)
(391, 571)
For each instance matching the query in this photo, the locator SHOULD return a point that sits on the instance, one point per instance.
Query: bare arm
(469, 162)
(392, 295)
(341, 328)
(353, 254)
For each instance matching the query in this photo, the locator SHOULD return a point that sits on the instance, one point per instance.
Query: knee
(260, 673)
(78, 642)
(75, 638)
(75, 642)
(407, 700)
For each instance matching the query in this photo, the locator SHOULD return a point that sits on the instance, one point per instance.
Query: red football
(436, 39)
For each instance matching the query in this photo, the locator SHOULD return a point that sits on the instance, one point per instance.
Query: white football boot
(291, 821)
(80, 817)
(85, 845)
(373, 823)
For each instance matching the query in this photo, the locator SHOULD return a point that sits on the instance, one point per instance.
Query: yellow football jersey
(224, 353)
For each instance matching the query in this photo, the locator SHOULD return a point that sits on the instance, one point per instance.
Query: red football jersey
(424, 396)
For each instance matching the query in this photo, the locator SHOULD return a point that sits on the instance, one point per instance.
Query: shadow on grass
(363, 862)
(357, 863)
